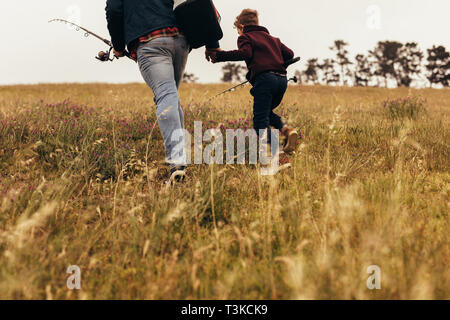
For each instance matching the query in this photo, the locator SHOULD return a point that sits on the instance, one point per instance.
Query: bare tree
(232, 72)
(310, 73)
(386, 55)
(363, 71)
(330, 76)
(438, 66)
(342, 59)
(189, 78)
(408, 64)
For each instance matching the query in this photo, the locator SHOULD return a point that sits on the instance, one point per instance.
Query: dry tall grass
(81, 185)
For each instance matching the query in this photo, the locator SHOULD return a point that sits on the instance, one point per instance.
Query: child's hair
(248, 17)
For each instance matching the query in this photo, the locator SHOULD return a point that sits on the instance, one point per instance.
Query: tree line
(390, 63)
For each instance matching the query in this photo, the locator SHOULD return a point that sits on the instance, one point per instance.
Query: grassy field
(81, 184)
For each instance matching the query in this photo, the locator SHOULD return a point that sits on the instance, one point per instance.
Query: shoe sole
(291, 144)
(285, 167)
(274, 171)
(177, 177)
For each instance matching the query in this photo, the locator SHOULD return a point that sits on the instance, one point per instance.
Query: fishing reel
(105, 56)
(294, 79)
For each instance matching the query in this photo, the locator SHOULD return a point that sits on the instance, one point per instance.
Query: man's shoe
(291, 139)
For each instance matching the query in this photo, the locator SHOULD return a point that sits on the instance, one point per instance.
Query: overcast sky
(34, 51)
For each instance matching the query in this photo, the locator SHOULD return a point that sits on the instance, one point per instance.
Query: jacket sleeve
(114, 17)
(213, 45)
(288, 54)
(245, 51)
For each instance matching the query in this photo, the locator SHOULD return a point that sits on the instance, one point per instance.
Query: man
(149, 29)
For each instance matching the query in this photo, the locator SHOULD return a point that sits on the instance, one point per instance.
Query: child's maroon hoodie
(260, 50)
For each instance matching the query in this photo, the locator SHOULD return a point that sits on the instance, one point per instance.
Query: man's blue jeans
(162, 62)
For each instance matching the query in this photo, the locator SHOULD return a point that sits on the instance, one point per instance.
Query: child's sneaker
(291, 139)
(278, 162)
(177, 175)
(285, 162)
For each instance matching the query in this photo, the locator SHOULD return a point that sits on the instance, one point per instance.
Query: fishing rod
(103, 56)
(286, 64)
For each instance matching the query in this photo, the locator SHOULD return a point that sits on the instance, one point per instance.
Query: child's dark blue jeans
(268, 92)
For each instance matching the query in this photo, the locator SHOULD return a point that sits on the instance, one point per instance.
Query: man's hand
(210, 54)
(118, 54)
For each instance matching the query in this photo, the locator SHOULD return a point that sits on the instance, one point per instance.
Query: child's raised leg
(290, 134)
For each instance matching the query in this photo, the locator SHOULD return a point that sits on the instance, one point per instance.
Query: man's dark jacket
(130, 19)
(260, 50)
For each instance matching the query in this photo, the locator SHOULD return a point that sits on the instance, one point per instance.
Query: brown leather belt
(278, 73)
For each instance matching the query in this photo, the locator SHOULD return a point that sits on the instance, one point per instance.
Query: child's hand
(213, 57)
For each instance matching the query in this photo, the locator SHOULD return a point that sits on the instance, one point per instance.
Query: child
(265, 57)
